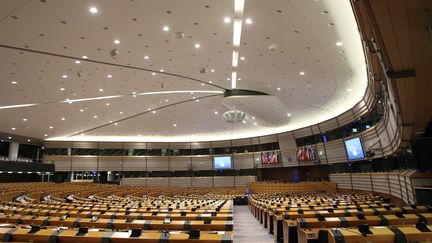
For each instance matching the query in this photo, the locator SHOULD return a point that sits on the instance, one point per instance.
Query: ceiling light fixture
(349, 89)
(63, 118)
(45, 135)
(302, 73)
(64, 76)
(16, 106)
(14, 82)
(84, 57)
(242, 58)
(153, 74)
(162, 70)
(197, 45)
(109, 76)
(248, 21)
(62, 89)
(77, 61)
(81, 110)
(13, 128)
(212, 70)
(165, 28)
(289, 114)
(227, 20)
(116, 41)
(238, 19)
(51, 127)
(107, 104)
(154, 112)
(339, 43)
(93, 10)
(146, 57)
(278, 89)
(215, 112)
(95, 117)
(100, 90)
(174, 125)
(25, 119)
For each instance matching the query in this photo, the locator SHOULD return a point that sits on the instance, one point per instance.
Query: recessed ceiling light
(215, 112)
(84, 57)
(212, 70)
(193, 98)
(153, 74)
(28, 140)
(93, 10)
(45, 135)
(64, 76)
(162, 70)
(278, 89)
(62, 89)
(197, 100)
(289, 114)
(349, 89)
(239, 79)
(63, 118)
(115, 124)
(302, 73)
(339, 43)
(146, 57)
(166, 100)
(227, 20)
(244, 121)
(174, 125)
(77, 61)
(202, 84)
(210, 82)
(107, 104)
(13, 128)
(154, 112)
(253, 118)
(51, 127)
(100, 90)
(95, 117)
(25, 119)
(14, 82)
(248, 21)
(165, 28)
(255, 123)
(109, 76)
(121, 112)
(197, 45)
(116, 41)
(242, 58)
(9, 137)
(110, 122)
(81, 110)
(228, 79)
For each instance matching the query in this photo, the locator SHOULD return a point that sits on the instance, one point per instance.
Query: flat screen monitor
(270, 158)
(223, 162)
(354, 149)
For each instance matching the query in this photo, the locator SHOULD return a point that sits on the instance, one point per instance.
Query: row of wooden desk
(97, 236)
(298, 222)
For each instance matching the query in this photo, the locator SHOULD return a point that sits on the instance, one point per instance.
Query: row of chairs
(112, 213)
(323, 217)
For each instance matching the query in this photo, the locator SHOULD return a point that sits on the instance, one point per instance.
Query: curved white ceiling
(57, 98)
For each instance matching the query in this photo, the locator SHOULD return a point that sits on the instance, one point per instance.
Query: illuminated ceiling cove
(165, 70)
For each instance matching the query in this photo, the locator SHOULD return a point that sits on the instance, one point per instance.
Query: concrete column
(13, 150)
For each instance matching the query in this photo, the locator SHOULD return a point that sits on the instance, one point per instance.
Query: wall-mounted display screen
(306, 153)
(223, 162)
(270, 158)
(354, 149)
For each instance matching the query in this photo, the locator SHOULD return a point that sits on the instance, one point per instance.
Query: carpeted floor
(247, 229)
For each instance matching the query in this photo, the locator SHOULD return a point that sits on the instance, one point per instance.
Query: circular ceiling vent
(234, 116)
